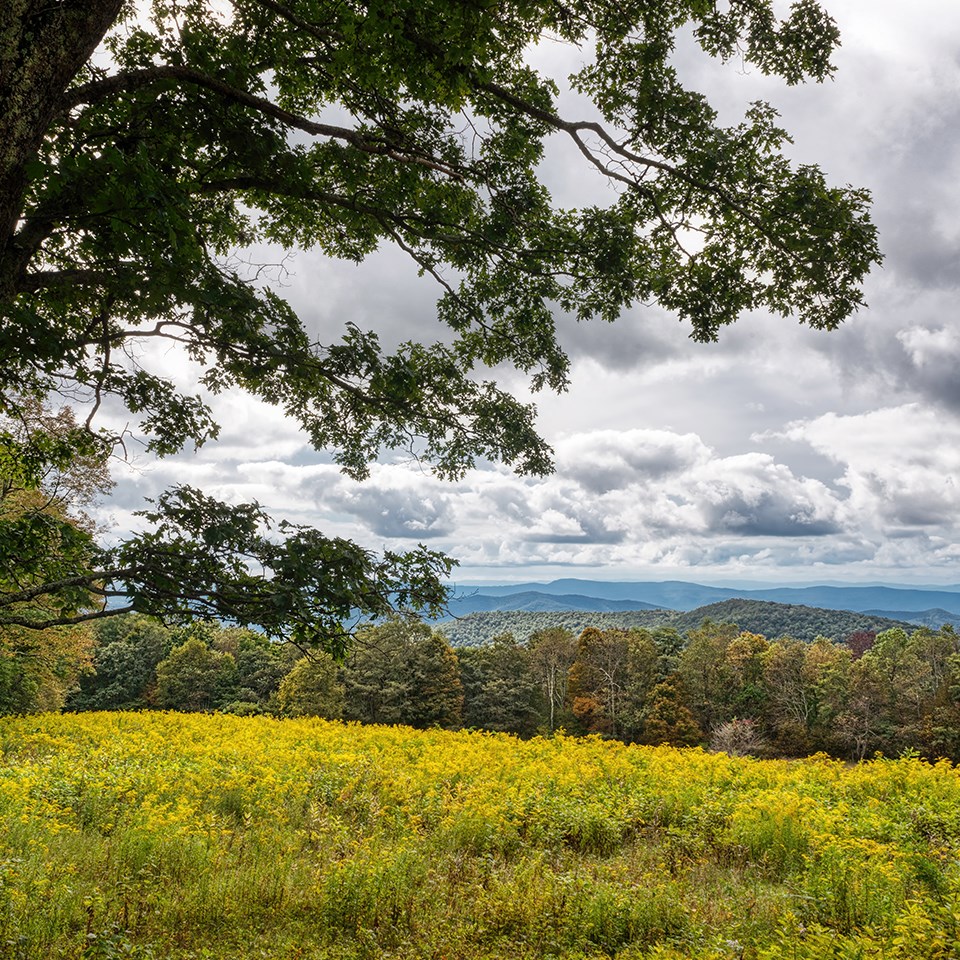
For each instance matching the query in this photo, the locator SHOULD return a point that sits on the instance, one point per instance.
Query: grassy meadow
(211, 836)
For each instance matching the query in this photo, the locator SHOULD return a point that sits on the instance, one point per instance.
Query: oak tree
(145, 144)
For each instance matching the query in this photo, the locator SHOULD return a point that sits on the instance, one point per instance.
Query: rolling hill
(771, 619)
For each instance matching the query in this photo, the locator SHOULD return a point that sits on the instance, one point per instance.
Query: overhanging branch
(132, 80)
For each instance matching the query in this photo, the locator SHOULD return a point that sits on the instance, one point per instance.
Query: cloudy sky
(778, 455)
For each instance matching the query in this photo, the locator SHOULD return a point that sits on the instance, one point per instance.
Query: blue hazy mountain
(466, 601)
(682, 595)
(922, 618)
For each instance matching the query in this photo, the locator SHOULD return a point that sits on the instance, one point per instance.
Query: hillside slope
(758, 616)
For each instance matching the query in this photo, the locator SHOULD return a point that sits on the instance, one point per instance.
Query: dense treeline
(476, 629)
(757, 616)
(718, 685)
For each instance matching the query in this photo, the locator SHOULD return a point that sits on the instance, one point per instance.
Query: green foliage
(756, 616)
(668, 719)
(130, 182)
(707, 672)
(775, 620)
(129, 650)
(40, 669)
(552, 652)
(476, 629)
(193, 677)
(900, 694)
(311, 689)
(499, 687)
(306, 585)
(729, 688)
(403, 672)
(261, 664)
(51, 470)
(126, 653)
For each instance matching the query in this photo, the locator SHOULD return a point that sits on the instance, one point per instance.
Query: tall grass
(175, 836)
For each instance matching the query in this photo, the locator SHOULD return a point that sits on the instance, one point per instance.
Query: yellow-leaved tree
(44, 529)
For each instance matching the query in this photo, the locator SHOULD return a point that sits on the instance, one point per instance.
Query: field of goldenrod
(188, 836)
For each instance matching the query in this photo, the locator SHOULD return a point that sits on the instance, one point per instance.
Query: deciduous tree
(311, 689)
(51, 471)
(552, 652)
(39, 669)
(401, 671)
(669, 719)
(123, 675)
(707, 673)
(194, 677)
(499, 687)
(130, 181)
(610, 679)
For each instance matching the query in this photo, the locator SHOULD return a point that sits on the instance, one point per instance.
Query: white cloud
(608, 459)
(901, 466)
(927, 346)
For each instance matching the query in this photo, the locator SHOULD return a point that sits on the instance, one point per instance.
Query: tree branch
(80, 580)
(132, 80)
(14, 621)
(575, 128)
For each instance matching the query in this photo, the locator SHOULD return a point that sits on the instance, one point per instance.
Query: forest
(715, 685)
(757, 616)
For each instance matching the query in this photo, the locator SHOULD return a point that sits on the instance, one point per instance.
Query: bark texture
(43, 45)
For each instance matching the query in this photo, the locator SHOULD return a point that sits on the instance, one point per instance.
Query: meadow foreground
(210, 836)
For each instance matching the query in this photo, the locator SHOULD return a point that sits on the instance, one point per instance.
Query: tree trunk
(43, 45)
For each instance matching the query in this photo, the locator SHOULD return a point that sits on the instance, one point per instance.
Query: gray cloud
(643, 337)
(779, 448)
(609, 460)
(769, 515)
(397, 513)
(930, 363)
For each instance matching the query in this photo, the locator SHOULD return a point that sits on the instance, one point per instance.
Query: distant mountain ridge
(923, 618)
(684, 596)
(532, 600)
(775, 620)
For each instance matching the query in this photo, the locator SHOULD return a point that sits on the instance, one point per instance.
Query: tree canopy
(144, 145)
